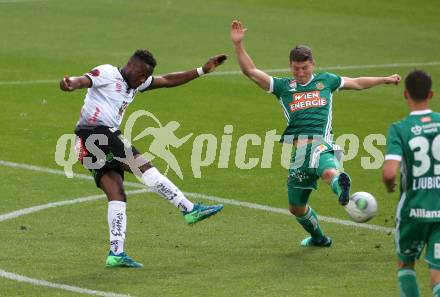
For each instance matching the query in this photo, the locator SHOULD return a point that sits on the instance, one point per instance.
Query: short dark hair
(418, 83)
(301, 53)
(145, 56)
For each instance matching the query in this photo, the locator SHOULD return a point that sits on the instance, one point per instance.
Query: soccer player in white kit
(110, 91)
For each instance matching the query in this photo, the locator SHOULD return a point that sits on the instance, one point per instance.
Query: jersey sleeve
(144, 87)
(277, 85)
(100, 76)
(394, 145)
(335, 81)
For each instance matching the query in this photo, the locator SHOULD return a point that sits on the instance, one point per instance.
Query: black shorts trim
(116, 147)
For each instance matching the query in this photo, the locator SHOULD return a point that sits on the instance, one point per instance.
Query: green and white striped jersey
(415, 142)
(308, 108)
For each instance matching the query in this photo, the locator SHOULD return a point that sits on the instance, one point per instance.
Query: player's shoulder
(284, 82)
(283, 79)
(401, 122)
(436, 115)
(105, 71)
(326, 75)
(106, 68)
(403, 125)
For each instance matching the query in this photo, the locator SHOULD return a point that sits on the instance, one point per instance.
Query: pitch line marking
(337, 67)
(208, 197)
(269, 71)
(43, 283)
(29, 210)
(58, 172)
(18, 1)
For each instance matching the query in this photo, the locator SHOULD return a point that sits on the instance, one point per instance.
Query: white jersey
(107, 98)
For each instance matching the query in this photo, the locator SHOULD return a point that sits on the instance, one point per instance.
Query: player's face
(138, 73)
(302, 71)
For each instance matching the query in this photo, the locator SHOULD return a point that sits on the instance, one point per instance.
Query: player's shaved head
(418, 83)
(301, 53)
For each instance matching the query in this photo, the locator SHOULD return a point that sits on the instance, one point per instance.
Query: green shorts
(307, 165)
(411, 237)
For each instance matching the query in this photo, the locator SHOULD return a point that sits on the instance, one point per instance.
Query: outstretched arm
(246, 64)
(69, 84)
(360, 83)
(179, 78)
(389, 174)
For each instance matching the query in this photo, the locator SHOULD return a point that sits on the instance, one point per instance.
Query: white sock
(117, 223)
(164, 187)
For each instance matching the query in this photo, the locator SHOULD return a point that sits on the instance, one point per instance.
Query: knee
(298, 211)
(117, 194)
(435, 277)
(145, 167)
(328, 174)
(403, 265)
(123, 196)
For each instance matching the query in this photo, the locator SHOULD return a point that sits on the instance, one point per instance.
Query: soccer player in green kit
(306, 100)
(413, 145)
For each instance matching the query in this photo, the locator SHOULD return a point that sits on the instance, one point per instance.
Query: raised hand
(237, 31)
(213, 62)
(66, 84)
(393, 79)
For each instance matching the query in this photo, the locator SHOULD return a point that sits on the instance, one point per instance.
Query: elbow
(357, 87)
(247, 72)
(251, 73)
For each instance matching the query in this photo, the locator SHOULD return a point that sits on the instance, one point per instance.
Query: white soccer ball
(361, 207)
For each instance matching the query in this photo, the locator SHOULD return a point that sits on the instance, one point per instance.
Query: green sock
(310, 223)
(335, 185)
(436, 290)
(408, 283)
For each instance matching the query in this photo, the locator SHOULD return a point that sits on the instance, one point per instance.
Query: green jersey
(308, 108)
(415, 142)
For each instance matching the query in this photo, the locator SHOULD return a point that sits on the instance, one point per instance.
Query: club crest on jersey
(320, 86)
(306, 100)
(416, 130)
(292, 85)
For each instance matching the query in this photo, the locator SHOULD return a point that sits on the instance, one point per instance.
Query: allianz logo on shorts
(423, 213)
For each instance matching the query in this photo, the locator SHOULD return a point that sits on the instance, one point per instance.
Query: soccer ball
(361, 207)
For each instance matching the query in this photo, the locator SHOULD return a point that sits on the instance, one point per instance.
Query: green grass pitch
(242, 251)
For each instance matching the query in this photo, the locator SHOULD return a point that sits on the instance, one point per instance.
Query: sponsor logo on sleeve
(95, 72)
